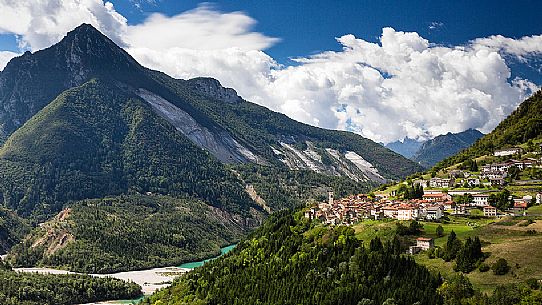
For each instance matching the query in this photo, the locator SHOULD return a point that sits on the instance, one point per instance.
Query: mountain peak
(31, 81)
(87, 52)
(85, 28)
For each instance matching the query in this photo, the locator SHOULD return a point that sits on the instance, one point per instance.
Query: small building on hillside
(539, 198)
(508, 151)
(448, 205)
(442, 182)
(490, 211)
(439, 197)
(433, 213)
(407, 213)
(425, 243)
(461, 209)
(390, 212)
(456, 173)
(520, 205)
(480, 200)
(473, 182)
(421, 182)
(497, 181)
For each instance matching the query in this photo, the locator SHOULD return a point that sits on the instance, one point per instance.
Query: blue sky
(309, 27)
(384, 69)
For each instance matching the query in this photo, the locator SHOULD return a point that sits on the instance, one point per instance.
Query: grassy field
(462, 227)
(537, 209)
(515, 239)
(369, 229)
(511, 239)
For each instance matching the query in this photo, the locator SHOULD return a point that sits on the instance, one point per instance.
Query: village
(458, 192)
(432, 207)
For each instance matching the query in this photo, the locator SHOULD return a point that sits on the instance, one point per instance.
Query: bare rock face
(212, 88)
(221, 144)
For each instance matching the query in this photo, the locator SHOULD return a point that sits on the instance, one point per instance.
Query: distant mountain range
(430, 152)
(408, 147)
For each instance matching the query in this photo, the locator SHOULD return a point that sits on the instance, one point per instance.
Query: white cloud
(202, 28)
(39, 24)
(402, 86)
(435, 25)
(524, 46)
(5, 57)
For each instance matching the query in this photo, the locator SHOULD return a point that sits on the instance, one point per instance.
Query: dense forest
(290, 260)
(41, 289)
(128, 233)
(12, 229)
(522, 125)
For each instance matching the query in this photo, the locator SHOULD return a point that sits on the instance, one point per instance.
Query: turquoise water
(186, 265)
(193, 265)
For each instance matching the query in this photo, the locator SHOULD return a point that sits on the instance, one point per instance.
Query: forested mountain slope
(290, 260)
(128, 233)
(83, 120)
(12, 229)
(97, 140)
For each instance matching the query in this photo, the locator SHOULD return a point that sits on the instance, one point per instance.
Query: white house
(390, 212)
(425, 243)
(473, 182)
(421, 182)
(434, 213)
(480, 200)
(442, 183)
(490, 211)
(407, 213)
(507, 151)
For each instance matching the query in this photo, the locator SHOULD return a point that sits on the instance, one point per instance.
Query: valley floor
(149, 280)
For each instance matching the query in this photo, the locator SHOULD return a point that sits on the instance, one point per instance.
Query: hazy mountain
(443, 146)
(408, 147)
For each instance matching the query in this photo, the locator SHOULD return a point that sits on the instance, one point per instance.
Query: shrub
(500, 267)
(440, 231)
(533, 283)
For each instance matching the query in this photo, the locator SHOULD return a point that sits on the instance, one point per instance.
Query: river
(150, 280)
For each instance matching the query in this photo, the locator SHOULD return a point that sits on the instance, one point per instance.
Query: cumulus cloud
(41, 23)
(524, 46)
(5, 57)
(401, 86)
